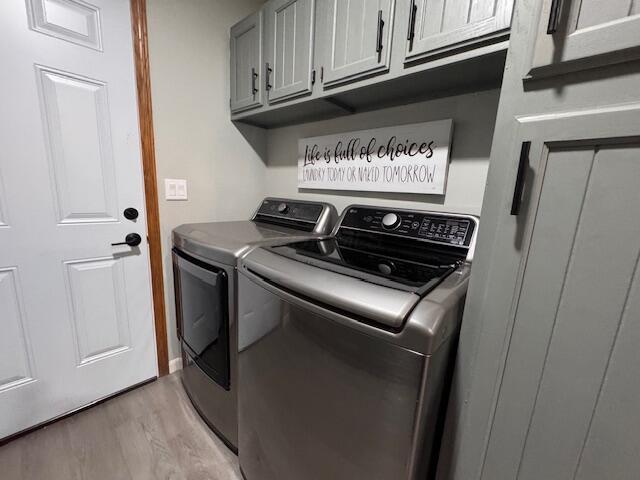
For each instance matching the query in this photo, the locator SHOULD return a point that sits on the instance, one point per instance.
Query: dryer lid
(275, 221)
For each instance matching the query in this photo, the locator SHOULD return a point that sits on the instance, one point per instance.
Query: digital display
(444, 230)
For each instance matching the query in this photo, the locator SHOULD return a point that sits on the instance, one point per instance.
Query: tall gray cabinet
(547, 375)
(567, 397)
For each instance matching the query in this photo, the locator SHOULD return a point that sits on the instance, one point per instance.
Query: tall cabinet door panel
(246, 60)
(356, 38)
(574, 31)
(567, 404)
(288, 48)
(439, 25)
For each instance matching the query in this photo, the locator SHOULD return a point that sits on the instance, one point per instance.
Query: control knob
(391, 221)
(386, 267)
(283, 208)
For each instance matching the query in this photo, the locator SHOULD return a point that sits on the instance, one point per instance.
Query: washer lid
(400, 267)
(354, 296)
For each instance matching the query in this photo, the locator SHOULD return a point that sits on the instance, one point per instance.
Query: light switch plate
(175, 189)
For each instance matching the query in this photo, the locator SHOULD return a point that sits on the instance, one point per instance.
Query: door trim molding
(145, 113)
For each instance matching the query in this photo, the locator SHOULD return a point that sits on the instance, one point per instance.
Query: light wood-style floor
(152, 432)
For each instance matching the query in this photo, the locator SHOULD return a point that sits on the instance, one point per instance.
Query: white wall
(189, 55)
(473, 115)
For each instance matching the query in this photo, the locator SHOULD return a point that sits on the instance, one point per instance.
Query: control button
(415, 225)
(283, 208)
(385, 268)
(368, 219)
(391, 221)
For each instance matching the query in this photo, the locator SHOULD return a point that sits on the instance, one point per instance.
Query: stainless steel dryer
(205, 257)
(345, 345)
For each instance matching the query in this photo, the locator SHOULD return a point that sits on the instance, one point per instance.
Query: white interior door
(75, 312)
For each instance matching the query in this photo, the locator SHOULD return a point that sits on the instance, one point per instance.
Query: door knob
(130, 213)
(132, 239)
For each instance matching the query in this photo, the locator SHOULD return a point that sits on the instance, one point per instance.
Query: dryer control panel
(316, 217)
(309, 212)
(455, 230)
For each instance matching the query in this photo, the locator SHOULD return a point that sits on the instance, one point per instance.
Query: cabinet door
(567, 405)
(439, 25)
(246, 59)
(356, 38)
(289, 26)
(574, 31)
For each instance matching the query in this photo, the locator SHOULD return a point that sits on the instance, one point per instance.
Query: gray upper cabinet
(436, 26)
(354, 38)
(345, 45)
(246, 60)
(289, 28)
(574, 31)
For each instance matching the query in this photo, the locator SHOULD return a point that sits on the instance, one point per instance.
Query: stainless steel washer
(205, 257)
(345, 345)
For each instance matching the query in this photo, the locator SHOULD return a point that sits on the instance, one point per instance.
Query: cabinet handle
(379, 36)
(268, 77)
(554, 16)
(520, 177)
(412, 22)
(254, 77)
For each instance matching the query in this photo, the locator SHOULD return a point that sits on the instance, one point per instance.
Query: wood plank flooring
(152, 432)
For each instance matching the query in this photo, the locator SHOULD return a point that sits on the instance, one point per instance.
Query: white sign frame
(410, 158)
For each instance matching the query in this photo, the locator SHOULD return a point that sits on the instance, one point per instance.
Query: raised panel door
(75, 312)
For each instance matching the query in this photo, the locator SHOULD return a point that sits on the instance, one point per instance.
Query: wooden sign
(409, 159)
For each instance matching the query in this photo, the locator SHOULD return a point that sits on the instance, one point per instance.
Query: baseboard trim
(175, 365)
